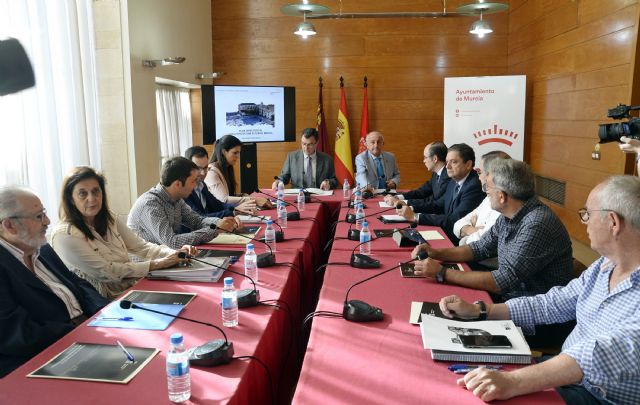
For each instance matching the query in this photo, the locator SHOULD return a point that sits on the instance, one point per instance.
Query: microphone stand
(264, 259)
(360, 311)
(247, 297)
(354, 234)
(291, 216)
(212, 353)
(362, 261)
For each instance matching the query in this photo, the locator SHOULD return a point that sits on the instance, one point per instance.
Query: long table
(381, 362)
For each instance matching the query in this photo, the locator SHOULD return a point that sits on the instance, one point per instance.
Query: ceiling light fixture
(174, 60)
(209, 75)
(480, 27)
(305, 28)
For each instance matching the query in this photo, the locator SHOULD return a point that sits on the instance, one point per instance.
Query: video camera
(613, 132)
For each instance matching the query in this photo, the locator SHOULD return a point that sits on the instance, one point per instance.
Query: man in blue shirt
(599, 360)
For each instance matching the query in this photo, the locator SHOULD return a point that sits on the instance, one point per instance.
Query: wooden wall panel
(405, 60)
(579, 58)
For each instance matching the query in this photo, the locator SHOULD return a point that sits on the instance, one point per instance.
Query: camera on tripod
(613, 132)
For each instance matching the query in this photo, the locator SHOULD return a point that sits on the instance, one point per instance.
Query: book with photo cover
(418, 309)
(407, 270)
(96, 362)
(441, 336)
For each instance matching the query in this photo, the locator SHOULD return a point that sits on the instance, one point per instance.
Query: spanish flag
(342, 149)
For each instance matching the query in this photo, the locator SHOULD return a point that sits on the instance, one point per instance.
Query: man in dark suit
(463, 193)
(40, 299)
(435, 159)
(308, 167)
(201, 200)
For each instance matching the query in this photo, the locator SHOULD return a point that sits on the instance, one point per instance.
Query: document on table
(311, 190)
(96, 362)
(431, 235)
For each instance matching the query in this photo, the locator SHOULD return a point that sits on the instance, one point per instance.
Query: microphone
(361, 261)
(360, 311)
(247, 297)
(279, 234)
(291, 216)
(212, 353)
(264, 259)
(354, 234)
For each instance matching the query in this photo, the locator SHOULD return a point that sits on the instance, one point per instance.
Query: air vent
(552, 190)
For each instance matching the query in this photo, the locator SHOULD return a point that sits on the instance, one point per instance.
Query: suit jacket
(429, 191)
(450, 207)
(366, 173)
(215, 207)
(293, 170)
(31, 316)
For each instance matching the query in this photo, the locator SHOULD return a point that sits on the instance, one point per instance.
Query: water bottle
(346, 188)
(178, 379)
(359, 216)
(229, 304)
(280, 193)
(301, 200)
(282, 214)
(357, 197)
(270, 235)
(365, 236)
(250, 263)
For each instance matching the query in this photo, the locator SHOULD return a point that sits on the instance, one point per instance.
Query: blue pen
(125, 318)
(455, 367)
(129, 355)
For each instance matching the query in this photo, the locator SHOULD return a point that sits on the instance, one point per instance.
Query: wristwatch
(483, 310)
(441, 275)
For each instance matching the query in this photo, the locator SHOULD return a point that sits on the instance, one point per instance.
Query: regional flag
(321, 125)
(364, 120)
(342, 149)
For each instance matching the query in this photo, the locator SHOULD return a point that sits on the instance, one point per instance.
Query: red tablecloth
(263, 332)
(381, 362)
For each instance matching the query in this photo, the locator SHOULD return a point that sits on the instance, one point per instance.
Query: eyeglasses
(485, 188)
(203, 169)
(40, 216)
(583, 213)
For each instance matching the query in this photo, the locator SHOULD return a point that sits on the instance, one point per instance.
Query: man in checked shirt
(158, 215)
(599, 360)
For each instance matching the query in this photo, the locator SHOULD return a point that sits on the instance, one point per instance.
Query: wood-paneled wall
(579, 60)
(405, 61)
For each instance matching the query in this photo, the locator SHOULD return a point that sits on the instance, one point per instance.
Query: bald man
(375, 168)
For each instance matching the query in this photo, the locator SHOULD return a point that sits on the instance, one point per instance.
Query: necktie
(457, 190)
(308, 176)
(202, 199)
(380, 171)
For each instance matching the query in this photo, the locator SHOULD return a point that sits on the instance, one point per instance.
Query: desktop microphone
(291, 216)
(360, 311)
(362, 261)
(212, 353)
(247, 297)
(354, 234)
(266, 259)
(279, 234)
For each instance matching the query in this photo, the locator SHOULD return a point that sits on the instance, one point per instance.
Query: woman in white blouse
(221, 180)
(97, 246)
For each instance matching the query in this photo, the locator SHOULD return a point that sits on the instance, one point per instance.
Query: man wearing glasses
(308, 167)
(532, 246)
(599, 360)
(40, 299)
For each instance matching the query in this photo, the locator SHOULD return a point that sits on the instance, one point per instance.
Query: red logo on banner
(495, 134)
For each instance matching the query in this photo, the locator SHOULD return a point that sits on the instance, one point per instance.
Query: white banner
(486, 113)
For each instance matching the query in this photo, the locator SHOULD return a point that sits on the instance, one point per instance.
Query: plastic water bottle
(178, 378)
(301, 200)
(250, 263)
(365, 236)
(357, 198)
(359, 216)
(270, 235)
(280, 193)
(346, 188)
(229, 304)
(282, 214)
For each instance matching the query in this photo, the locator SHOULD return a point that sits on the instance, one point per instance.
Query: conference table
(381, 362)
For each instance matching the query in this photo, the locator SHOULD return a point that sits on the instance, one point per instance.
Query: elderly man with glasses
(40, 299)
(532, 246)
(599, 360)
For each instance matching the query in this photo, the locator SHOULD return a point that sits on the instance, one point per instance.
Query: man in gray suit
(308, 167)
(376, 168)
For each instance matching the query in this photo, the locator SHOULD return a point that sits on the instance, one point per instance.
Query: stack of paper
(250, 219)
(310, 190)
(195, 271)
(441, 336)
